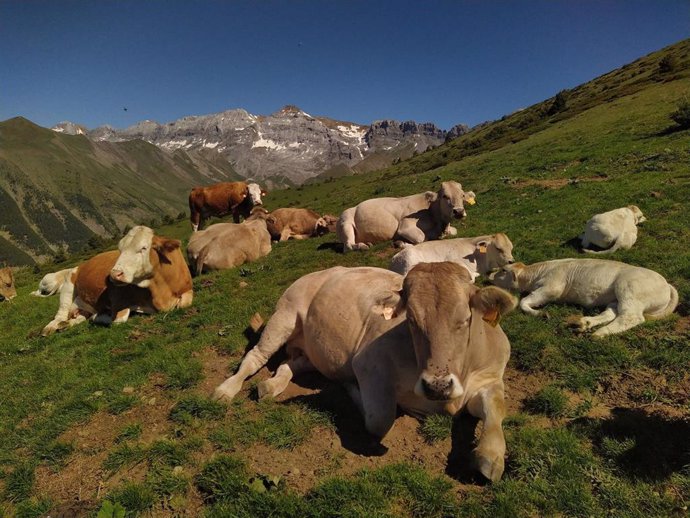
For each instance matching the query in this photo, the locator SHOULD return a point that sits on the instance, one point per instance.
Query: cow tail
(670, 307)
(616, 245)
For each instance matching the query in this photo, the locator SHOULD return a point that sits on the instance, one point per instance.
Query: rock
(128, 390)
(244, 284)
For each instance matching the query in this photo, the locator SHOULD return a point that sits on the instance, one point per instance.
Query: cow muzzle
(438, 388)
(459, 213)
(118, 276)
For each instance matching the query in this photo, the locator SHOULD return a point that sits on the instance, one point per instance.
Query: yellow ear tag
(482, 249)
(471, 201)
(492, 317)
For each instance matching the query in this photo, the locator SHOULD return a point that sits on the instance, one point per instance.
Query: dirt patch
(556, 183)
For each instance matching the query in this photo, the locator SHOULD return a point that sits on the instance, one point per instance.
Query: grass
(613, 137)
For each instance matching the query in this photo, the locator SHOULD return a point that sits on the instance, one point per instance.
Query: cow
(287, 223)
(226, 245)
(222, 198)
(631, 294)
(613, 230)
(51, 283)
(7, 289)
(147, 274)
(479, 255)
(413, 219)
(433, 346)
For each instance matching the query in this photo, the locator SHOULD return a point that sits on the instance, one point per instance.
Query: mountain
(285, 148)
(58, 190)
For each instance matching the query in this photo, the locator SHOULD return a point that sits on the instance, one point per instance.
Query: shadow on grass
(643, 446)
(461, 465)
(573, 243)
(333, 246)
(668, 131)
(349, 424)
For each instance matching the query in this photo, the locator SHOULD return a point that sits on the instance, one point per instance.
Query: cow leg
(408, 231)
(535, 299)
(488, 405)
(345, 230)
(284, 234)
(629, 315)
(64, 308)
(278, 383)
(606, 316)
(280, 328)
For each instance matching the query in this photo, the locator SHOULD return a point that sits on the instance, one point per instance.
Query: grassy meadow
(117, 421)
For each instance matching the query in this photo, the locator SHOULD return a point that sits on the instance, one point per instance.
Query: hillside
(594, 428)
(59, 191)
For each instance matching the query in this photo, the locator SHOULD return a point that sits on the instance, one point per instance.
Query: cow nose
(511, 261)
(117, 274)
(438, 389)
(459, 213)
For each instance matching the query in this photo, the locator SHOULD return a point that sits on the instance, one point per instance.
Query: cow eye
(446, 197)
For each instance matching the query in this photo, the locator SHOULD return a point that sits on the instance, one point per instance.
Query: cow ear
(493, 302)
(391, 306)
(263, 193)
(469, 197)
(164, 245)
(430, 196)
(482, 246)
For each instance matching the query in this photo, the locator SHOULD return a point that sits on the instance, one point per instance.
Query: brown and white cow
(433, 346)
(412, 219)
(294, 223)
(226, 245)
(147, 274)
(7, 289)
(223, 198)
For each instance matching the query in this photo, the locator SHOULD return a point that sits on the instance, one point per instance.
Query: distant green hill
(58, 191)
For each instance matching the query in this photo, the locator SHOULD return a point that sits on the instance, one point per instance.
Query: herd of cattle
(420, 336)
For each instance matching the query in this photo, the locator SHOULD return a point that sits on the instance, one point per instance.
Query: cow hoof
(490, 466)
(226, 391)
(48, 330)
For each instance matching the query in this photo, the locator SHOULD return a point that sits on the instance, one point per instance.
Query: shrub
(668, 64)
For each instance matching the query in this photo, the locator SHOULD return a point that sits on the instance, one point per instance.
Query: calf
(630, 293)
(613, 230)
(412, 219)
(479, 255)
(226, 245)
(287, 223)
(432, 347)
(7, 289)
(238, 198)
(147, 274)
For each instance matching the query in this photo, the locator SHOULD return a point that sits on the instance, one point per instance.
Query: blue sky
(428, 60)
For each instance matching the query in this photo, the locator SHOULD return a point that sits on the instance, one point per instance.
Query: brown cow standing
(287, 223)
(223, 198)
(112, 284)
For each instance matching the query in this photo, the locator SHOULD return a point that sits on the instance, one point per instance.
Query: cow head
(259, 213)
(637, 214)
(451, 199)
(507, 276)
(498, 251)
(52, 282)
(441, 304)
(325, 224)
(141, 253)
(7, 289)
(255, 192)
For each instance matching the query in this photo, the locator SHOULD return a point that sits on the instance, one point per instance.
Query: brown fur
(7, 289)
(218, 200)
(296, 223)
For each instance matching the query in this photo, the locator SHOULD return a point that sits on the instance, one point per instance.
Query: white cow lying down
(432, 347)
(613, 230)
(630, 293)
(413, 219)
(479, 255)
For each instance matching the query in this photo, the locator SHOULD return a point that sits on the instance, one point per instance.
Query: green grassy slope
(61, 190)
(596, 428)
